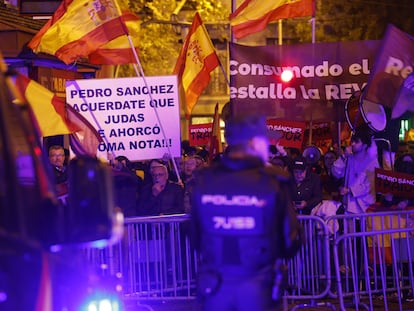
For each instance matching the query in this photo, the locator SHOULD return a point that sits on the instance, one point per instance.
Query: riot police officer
(243, 222)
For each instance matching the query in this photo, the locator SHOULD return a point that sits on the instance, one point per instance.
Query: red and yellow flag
(48, 109)
(254, 15)
(119, 50)
(194, 64)
(54, 117)
(78, 28)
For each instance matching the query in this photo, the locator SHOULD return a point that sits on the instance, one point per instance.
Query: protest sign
(293, 132)
(399, 184)
(325, 75)
(137, 118)
(321, 135)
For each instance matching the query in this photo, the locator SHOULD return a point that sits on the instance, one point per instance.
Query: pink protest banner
(199, 134)
(293, 132)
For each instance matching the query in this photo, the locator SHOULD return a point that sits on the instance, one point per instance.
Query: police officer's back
(242, 222)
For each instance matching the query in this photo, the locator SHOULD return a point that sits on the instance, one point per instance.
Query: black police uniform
(242, 221)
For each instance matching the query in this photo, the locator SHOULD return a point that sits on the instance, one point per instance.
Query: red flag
(196, 61)
(254, 15)
(215, 146)
(78, 28)
(393, 64)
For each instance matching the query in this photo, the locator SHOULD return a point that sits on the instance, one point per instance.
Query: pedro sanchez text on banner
(322, 73)
(399, 184)
(124, 111)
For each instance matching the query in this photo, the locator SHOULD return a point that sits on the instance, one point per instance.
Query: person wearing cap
(308, 188)
(243, 223)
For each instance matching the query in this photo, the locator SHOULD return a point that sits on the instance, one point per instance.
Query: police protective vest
(240, 215)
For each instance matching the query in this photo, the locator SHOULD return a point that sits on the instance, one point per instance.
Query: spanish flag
(48, 108)
(78, 28)
(254, 15)
(194, 64)
(54, 117)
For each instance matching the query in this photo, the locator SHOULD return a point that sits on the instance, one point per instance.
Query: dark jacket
(169, 201)
(309, 190)
(127, 187)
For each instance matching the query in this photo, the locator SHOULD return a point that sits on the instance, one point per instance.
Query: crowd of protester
(161, 187)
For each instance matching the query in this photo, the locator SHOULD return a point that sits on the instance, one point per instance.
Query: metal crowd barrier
(373, 259)
(154, 259)
(309, 272)
(364, 261)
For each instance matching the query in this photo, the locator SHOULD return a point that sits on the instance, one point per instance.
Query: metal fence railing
(366, 259)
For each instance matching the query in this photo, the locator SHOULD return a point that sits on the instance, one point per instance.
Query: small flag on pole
(196, 61)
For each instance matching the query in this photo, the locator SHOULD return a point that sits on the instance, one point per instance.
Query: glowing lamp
(286, 75)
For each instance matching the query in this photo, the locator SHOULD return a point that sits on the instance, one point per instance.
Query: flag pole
(313, 21)
(131, 44)
(126, 32)
(223, 71)
(138, 71)
(141, 71)
(280, 32)
(233, 8)
(155, 109)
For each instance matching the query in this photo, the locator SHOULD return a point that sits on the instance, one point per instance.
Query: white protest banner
(137, 118)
